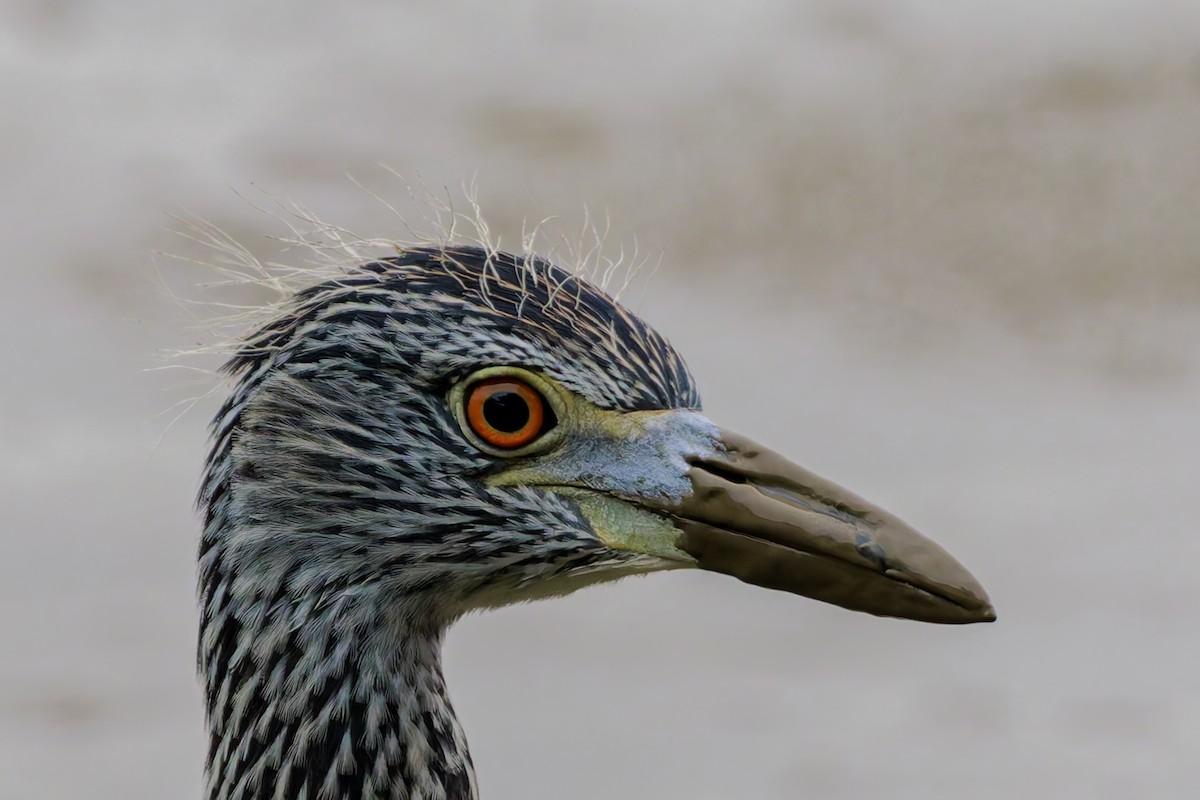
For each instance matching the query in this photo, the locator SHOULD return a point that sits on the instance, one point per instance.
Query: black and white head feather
(348, 519)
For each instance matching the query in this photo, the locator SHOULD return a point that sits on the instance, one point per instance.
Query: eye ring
(506, 412)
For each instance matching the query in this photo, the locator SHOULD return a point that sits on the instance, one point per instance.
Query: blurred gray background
(947, 254)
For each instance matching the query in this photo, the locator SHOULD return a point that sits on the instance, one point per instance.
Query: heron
(454, 428)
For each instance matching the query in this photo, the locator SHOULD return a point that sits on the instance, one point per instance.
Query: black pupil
(506, 411)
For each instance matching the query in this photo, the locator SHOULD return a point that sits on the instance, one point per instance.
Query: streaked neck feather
(319, 696)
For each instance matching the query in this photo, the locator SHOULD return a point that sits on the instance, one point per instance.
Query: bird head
(456, 428)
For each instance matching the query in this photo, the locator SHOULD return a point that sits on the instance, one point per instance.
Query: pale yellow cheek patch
(624, 526)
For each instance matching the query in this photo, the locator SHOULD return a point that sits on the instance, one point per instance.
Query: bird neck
(314, 693)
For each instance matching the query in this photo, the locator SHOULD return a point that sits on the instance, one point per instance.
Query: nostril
(720, 471)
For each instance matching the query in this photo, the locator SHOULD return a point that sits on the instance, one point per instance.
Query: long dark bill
(760, 518)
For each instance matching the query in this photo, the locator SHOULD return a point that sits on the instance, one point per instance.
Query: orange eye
(507, 412)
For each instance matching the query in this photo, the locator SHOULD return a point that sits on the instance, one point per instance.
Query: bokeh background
(947, 254)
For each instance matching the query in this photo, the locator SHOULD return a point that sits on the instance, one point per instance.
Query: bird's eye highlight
(507, 413)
